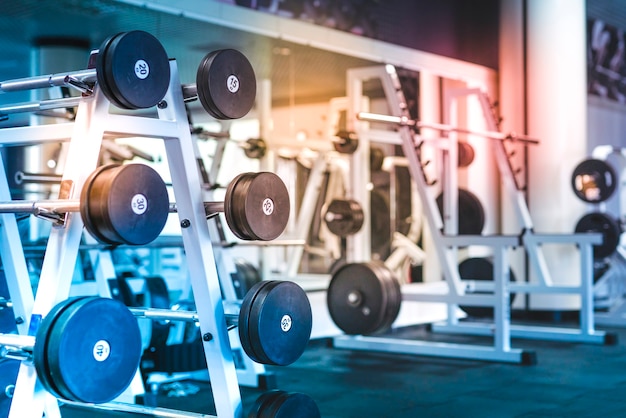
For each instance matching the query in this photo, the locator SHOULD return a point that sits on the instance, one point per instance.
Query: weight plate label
(139, 204)
(142, 69)
(285, 323)
(232, 83)
(101, 350)
(268, 206)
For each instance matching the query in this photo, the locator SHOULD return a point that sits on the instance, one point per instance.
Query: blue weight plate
(125, 204)
(40, 351)
(135, 68)
(100, 71)
(280, 322)
(94, 348)
(226, 84)
(256, 206)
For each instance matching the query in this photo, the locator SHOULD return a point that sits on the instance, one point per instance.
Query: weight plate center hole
(355, 299)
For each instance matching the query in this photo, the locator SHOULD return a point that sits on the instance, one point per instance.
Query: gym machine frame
(447, 245)
(94, 121)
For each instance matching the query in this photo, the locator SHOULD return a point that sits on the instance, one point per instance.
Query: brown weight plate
(256, 206)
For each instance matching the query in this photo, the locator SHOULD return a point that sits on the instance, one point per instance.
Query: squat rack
(446, 244)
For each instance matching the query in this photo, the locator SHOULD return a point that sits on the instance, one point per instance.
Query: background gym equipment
(594, 181)
(479, 268)
(274, 321)
(133, 71)
(471, 215)
(85, 350)
(446, 245)
(363, 298)
(343, 217)
(604, 224)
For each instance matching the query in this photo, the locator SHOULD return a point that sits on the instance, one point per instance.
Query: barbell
(129, 204)
(344, 217)
(365, 298)
(86, 349)
(132, 69)
(405, 121)
(274, 321)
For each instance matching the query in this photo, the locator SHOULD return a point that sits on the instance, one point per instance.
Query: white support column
(557, 99)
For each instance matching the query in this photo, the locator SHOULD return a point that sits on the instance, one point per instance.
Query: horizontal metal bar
(435, 349)
(47, 81)
(231, 310)
(209, 207)
(19, 347)
(404, 121)
(137, 409)
(42, 105)
(40, 178)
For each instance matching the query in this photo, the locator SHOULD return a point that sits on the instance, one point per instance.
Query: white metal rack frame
(93, 122)
(446, 247)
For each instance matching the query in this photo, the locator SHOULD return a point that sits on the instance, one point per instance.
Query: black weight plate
(594, 181)
(346, 142)
(100, 72)
(394, 296)
(245, 278)
(40, 351)
(255, 148)
(256, 206)
(281, 404)
(471, 213)
(344, 217)
(358, 298)
(466, 154)
(377, 158)
(8, 375)
(278, 322)
(605, 224)
(125, 204)
(226, 84)
(135, 69)
(94, 348)
(477, 268)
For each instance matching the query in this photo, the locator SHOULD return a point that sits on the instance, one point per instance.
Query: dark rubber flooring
(568, 380)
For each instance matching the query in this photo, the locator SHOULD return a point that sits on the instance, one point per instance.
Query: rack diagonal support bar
(199, 252)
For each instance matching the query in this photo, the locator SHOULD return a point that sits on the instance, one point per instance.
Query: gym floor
(568, 380)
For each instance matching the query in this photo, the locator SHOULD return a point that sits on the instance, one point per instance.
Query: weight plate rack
(85, 134)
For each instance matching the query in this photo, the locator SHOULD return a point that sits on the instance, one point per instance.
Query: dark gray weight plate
(94, 348)
(125, 204)
(346, 142)
(133, 70)
(360, 298)
(477, 268)
(471, 213)
(344, 217)
(226, 84)
(594, 180)
(281, 404)
(256, 206)
(245, 278)
(275, 322)
(605, 224)
(255, 148)
(466, 154)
